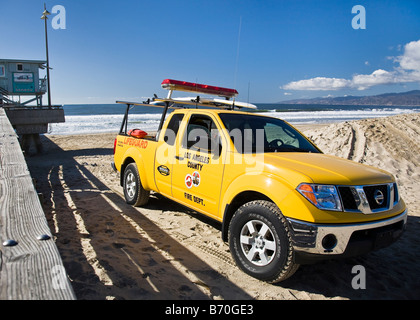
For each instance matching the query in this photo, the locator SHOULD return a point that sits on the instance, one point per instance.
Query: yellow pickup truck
(280, 200)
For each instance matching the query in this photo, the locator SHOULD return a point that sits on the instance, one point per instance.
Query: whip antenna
(237, 51)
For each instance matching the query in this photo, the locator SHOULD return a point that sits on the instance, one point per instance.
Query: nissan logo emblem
(379, 197)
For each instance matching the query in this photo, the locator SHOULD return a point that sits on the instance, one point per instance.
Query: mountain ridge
(409, 98)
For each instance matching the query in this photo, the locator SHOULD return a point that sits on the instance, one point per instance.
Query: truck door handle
(179, 158)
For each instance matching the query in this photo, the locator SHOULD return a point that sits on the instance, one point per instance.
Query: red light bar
(200, 88)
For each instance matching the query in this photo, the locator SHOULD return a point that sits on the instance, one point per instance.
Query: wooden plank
(33, 269)
(26, 116)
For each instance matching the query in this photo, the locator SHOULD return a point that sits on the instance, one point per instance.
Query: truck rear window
(172, 129)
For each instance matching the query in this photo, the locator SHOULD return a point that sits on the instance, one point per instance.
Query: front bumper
(330, 240)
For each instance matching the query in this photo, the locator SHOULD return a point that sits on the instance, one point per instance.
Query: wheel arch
(138, 160)
(239, 200)
(248, 188)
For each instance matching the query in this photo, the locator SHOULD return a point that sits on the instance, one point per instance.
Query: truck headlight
(322, 196)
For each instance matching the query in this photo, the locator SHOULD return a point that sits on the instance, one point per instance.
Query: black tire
(260, 242)
(134, 192)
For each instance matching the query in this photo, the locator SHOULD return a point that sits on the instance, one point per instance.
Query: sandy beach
(164, 251)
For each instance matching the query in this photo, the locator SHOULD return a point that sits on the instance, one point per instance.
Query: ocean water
(107, 118)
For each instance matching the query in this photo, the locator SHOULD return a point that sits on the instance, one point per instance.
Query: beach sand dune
(164, 251)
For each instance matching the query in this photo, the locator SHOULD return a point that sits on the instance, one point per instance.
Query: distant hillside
(410, 98)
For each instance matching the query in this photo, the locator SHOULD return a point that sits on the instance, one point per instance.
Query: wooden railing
(30, 265)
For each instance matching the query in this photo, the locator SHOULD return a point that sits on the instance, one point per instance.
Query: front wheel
(260, 242)
(134, 192)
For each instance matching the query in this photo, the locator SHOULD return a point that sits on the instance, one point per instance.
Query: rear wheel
(260, 242)
(134, 192)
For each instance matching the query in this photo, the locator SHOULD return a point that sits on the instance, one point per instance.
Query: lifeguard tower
(20, 78)
(21, 85)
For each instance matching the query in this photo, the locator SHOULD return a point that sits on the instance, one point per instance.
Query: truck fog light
(329, 242)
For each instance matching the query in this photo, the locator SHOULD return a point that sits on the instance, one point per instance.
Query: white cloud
(318, 83)
(407, 71)
(410, 60)
(364, 81)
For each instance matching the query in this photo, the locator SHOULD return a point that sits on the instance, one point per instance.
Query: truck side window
(172, 129)
(198, 133)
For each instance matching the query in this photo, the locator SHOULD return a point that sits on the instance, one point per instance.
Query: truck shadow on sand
(113, 251)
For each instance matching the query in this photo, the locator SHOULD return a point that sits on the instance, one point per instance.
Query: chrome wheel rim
(258, 243)
(130, 185)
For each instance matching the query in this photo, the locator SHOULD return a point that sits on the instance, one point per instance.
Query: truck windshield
(256, 134)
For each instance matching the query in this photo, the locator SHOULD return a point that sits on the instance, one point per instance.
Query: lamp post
(45, 18)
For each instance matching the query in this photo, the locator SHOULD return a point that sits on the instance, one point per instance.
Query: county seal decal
(192, 180)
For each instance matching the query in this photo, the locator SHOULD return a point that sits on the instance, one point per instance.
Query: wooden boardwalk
(32, 269)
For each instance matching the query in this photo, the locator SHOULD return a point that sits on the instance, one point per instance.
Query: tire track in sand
(358, 144)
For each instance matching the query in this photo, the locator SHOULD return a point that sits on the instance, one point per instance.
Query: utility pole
(45, 18)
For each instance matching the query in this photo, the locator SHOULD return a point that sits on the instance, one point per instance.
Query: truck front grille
(368, 199)
(347, 198)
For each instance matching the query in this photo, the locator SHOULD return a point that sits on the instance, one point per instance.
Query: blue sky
(279, 50)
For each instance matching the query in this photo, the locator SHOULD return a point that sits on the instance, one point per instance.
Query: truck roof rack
(185, 102)
(188, 102)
